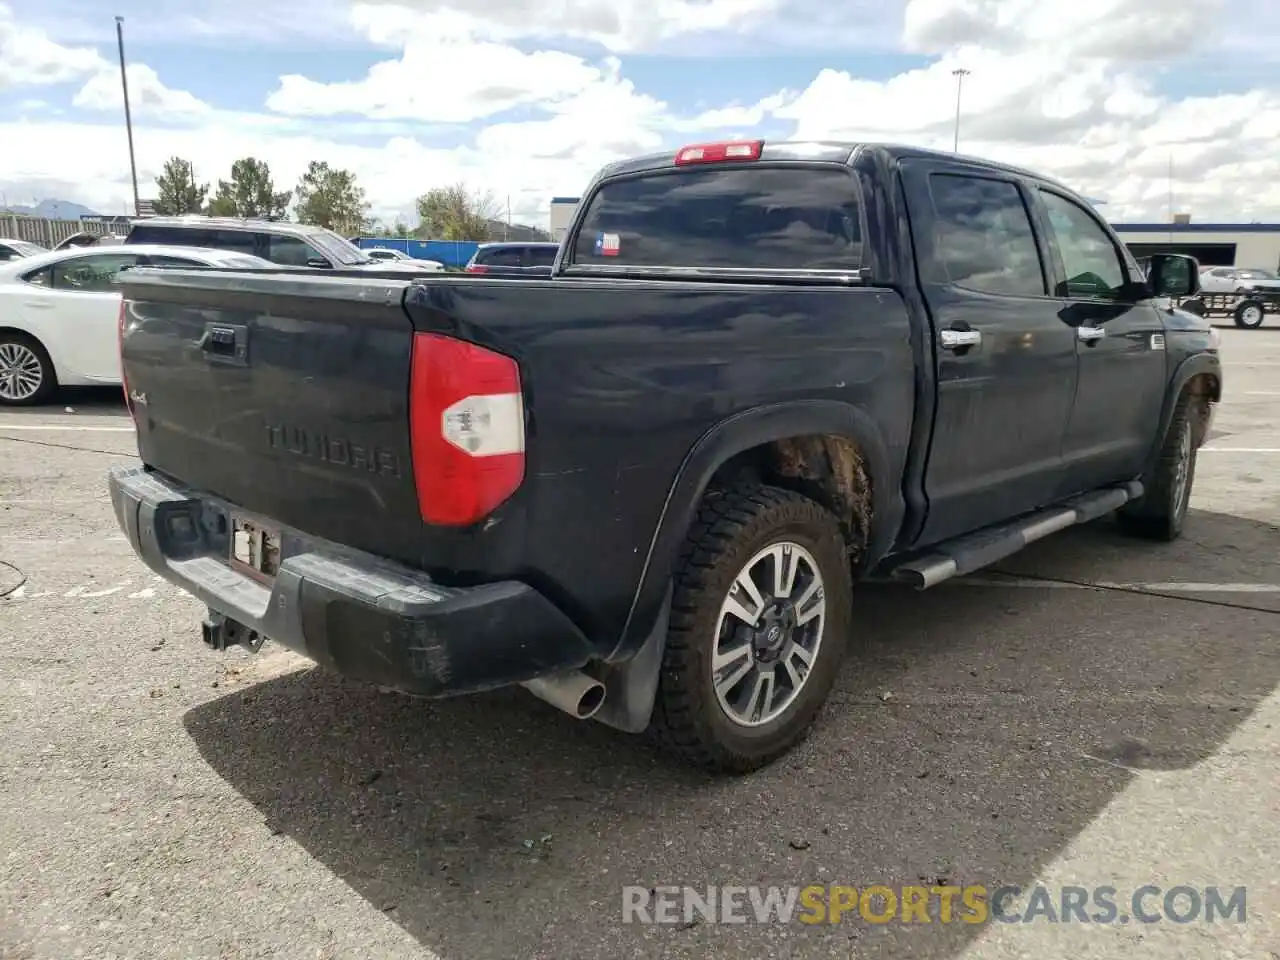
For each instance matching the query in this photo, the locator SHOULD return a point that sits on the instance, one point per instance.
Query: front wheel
(759, 625)
(1162, 509)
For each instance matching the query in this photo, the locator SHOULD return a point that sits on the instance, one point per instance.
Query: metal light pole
(959, 73)
(128, 117)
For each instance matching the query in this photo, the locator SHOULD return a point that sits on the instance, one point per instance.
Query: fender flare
(1191, 366)
(735, 435)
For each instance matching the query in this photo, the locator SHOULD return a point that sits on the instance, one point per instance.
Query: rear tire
(1160, 512)
(27, 376)
(1250, 314)
(739, 540)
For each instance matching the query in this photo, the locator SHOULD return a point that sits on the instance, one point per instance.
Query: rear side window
(759, 218)
(240, 241)
(290, 251)
(982, 236)
(540, 256)
(500, 257)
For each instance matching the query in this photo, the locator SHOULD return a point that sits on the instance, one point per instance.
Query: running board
(973, 551)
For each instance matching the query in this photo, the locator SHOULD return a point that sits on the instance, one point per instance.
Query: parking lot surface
(1095, 711)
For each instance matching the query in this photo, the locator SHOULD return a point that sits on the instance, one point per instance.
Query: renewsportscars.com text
(974, 904)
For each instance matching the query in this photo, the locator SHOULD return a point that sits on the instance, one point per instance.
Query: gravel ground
(159, 800)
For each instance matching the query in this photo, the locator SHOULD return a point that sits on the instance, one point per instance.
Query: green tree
(455, 213)
(331, 198)
(176, 189)
(249, 192)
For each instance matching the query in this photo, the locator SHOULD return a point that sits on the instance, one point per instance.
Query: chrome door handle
(954, 339)
(1090, 334)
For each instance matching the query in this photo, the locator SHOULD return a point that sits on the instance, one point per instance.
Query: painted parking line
(1240, 449)
(74, 428)
(1174, 586)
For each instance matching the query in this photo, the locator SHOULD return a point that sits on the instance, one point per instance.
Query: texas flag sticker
(608, 244)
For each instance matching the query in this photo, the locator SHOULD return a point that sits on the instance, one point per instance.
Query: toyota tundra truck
(645, 487)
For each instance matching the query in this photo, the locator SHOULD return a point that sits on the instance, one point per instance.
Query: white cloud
(444, 75)
(1059, 90)
(618, 25)
(29, 58)
(148, 96)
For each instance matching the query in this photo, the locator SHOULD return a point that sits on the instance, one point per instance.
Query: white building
(562, 211)
(1213, 244)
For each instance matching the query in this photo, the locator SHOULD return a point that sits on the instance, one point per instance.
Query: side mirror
(1173, 275)
(319, 263)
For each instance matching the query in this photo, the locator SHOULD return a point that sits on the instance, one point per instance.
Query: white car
(1238, 280)
(60, 311)
(11, 249)
(387, 255)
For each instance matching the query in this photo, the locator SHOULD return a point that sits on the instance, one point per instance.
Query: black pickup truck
(645, 487)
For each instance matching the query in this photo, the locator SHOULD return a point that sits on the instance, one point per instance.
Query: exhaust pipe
(575, 693)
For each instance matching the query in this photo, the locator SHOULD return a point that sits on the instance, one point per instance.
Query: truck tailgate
(285, 395)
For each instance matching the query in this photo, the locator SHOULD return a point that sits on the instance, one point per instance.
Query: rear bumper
(367, 618)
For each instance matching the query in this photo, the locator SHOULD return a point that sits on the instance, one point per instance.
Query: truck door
(1120, 341)
(1005, 361)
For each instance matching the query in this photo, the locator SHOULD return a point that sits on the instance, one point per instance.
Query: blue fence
(452, 253)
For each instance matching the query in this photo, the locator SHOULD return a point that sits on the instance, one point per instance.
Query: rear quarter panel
(622, 379)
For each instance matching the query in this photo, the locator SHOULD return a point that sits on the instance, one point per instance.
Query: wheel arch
(1200, 375)
(829, 450)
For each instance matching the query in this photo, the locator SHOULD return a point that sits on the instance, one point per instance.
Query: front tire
(1160, 512)
(760, 620)
(27, 377)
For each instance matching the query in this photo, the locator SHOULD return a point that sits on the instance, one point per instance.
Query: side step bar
(973, 551)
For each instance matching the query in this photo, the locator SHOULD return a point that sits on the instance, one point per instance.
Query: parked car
(645, 487)
(60, 311)
(15, 249)
(280, 242)
(525, 259)
(387, 255)
(1238, 280)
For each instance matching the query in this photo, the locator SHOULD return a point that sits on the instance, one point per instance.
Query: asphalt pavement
(1097, 711)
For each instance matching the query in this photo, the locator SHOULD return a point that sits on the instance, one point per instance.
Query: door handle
(959, 339)
(1090, 334)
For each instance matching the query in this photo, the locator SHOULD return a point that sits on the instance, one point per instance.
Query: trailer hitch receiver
(220, 633)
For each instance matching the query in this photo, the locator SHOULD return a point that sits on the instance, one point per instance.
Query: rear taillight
(720, 152)
(466, 425)
(124, 380)
(476, 268)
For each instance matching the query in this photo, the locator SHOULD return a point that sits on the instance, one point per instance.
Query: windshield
(27, 249)
(339, 248)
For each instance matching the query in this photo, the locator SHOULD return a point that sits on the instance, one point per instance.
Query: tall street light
(959, 73)
(128, 117)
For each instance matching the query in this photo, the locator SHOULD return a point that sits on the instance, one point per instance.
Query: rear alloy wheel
(1250, 315)
(759, 625)
(26, 374)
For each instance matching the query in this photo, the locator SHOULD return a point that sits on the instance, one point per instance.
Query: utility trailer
(1248, 310)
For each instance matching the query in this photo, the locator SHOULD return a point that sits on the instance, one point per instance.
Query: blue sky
(529, 99)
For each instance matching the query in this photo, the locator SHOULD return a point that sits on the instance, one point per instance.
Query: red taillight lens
(466, 425)
(124, 381)
(476, 268)
(720, 152)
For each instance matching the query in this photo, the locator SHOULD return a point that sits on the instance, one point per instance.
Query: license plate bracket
(255, 549)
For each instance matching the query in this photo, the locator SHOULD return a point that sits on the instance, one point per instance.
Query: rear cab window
(539, 256)
(756, 218)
